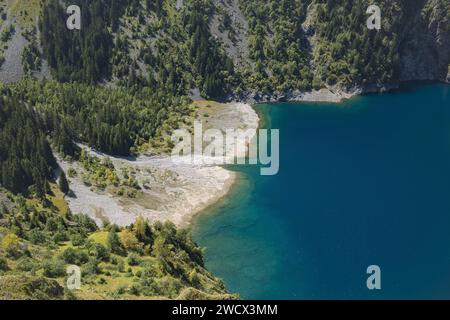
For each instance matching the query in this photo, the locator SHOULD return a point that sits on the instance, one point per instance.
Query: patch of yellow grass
(58, 200)
(64, 245)
(99, 237)
(205, 103)
(25, 11)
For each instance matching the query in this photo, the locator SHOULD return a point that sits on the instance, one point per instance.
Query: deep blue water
(360, 183)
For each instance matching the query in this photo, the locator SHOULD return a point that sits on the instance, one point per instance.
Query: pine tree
(115, 15)
(143, 231)
(114, 243)
(63, 184)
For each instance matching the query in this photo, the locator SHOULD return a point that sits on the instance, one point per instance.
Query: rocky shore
(169, 191)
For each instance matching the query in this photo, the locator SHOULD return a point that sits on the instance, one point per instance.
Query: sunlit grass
(25, 11)
(99, 237)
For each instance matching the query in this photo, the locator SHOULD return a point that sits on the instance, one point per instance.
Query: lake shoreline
(345, 177)
(319, 96)
(178, 193)
(332, 94)
(168, 190)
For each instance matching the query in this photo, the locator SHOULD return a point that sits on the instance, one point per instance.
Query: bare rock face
(425, 41)
(11, 70)
(234, 38)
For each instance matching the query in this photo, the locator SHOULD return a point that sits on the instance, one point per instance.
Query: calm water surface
(360, 183)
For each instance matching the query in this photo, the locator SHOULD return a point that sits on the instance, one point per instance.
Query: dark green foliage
(75, 256)
(78, 239)
(143, 231)
(100, 252)
(278, 45)
(78, 55)
(110, 120)
(164, 269)
(156, 6)
(114, 243)
(91, 267)
(133, 259)
(25, 155)
(90, 55)
(293, 44)
(26, 264)
(63, 184)
(3, 264)
(31, 58)
(7, 33)
(24, 287)
(82, 55)
(60, 236)
(83, 222)
(37, 236)
(39, 227)
(348, 53)
(53, 268)
(210, 64)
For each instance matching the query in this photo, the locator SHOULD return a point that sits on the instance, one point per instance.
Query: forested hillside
(39, 240)
(347, 53)
(112, 120)
(79, 56)
(34, 115)
(126, 80)
(25, 155)
(283, 45)
(86, 55)
(292, 44)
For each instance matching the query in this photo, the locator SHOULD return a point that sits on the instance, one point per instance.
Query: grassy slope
(116, 278)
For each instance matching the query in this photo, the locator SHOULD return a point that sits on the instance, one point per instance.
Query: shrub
(194, 278)
(114, 261)
(135, 290)
(71, 172)
(114, 243)
(11, 244)
(120, 265)
(100, 252)
(60, 236)
(63, 183)
(75, 256)
(91, 267)
(168, 286)
(37, 237)
(133, 259)
(26, 264)
(53, 268)
(51, 225)
(78, 239)
(129, 240)
(121, 289)
(3, 264)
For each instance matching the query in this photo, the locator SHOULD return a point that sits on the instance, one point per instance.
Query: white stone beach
(173, 191)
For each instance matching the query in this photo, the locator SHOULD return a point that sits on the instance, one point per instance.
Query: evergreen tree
(63, 183)
(113, 242)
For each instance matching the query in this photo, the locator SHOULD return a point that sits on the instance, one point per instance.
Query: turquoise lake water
(363, 182)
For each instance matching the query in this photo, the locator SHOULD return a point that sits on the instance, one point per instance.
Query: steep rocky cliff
(425, 41)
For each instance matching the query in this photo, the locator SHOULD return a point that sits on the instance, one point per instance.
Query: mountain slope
(225, 47)
(122, 82)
